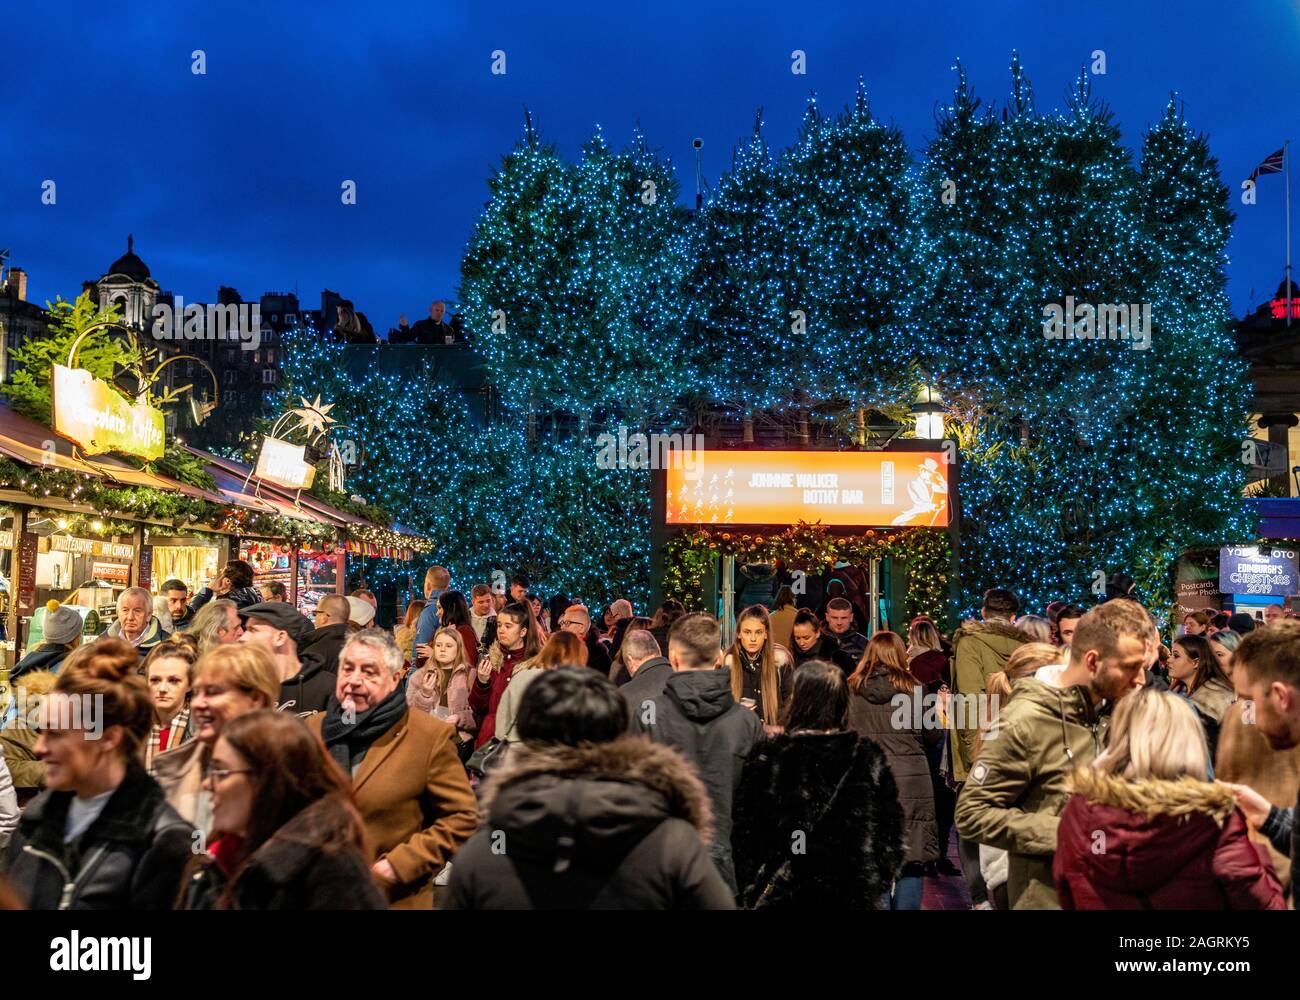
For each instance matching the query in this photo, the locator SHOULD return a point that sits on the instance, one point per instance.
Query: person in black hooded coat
(581, 816)
(817, 821)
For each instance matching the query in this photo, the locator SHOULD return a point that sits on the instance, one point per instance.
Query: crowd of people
(497, 751)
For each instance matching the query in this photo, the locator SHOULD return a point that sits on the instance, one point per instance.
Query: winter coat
(827, 650)
(8, 805)
(42, 658)
(1014, 794)
(153, 634)
(243, 597)
(484, 699)
(1213, 698)
(18, 741)
(324, 646)
(852, 840)
(1153, 844)
(508, 708)
(980, 649)
(416, 801)
(291, 871)
(873, 714)
(751, 680)
(598, 657)
(647, 685)
(697, 715)
(931, 669)
(179, 773)
(609, 826)
(130, 858)
(782, 626)
(309, 690)
(852, 642)
(1245, 758)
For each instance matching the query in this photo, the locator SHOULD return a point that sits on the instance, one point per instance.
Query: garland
(810, 547)
(180, 511)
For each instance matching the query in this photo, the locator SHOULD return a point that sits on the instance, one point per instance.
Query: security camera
(697, 143)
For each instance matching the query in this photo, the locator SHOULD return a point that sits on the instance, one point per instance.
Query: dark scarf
(348, 742)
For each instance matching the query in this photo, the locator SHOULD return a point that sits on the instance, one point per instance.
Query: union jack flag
(1272, 165)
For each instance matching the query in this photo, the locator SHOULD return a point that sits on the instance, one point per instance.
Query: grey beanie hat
(61, 625)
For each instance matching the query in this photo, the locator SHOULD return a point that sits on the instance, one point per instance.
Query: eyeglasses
(569, 621)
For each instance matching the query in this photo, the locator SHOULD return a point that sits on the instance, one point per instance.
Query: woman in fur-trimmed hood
(1144, 830)
(582, 816)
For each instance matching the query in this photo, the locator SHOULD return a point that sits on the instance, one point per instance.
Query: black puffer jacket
(293, 870)
(131, 857)
(610, 826)
(800, 842)
(697, 715)
(873, 713)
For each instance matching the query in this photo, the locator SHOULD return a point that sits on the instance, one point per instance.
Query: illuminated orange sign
(867, 489)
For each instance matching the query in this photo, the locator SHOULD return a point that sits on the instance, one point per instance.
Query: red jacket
(484, 698)
(1159, 845)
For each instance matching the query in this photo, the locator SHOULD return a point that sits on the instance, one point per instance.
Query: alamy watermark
(919, 710)
(58, 711)
(651, 451)
(240, 321)
(1101, 322)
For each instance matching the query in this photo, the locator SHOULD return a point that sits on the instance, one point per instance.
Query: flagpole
(1290, 296)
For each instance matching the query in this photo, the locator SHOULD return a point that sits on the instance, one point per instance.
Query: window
(229, 377)
(268, 376)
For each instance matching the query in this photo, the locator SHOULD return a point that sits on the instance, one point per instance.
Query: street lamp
(928, 415)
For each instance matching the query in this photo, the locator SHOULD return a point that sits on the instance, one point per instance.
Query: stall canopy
(26, 441)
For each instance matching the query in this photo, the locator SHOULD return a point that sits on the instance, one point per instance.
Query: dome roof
(129, 264)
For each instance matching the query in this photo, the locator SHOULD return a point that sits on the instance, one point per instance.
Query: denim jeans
(906, 894)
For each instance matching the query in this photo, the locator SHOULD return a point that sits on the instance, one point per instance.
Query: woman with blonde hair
(229, 681)
(1144, 829)
(762, 672)
(404, 633)
(441, 687)
(562, 649)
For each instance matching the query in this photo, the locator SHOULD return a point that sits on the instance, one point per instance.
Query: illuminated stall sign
(282, 463)
(90, 412)
(861, 489)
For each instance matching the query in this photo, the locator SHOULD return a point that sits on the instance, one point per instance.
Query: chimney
(17, 285)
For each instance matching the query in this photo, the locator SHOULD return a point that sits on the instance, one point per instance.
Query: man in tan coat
(410, 786)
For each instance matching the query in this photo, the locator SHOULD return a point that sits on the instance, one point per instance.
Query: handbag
(491, 754)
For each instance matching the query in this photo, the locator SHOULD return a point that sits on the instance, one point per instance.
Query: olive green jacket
(1015, 792)
(980, 648)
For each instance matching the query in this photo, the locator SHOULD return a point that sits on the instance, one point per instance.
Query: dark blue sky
(234, 177)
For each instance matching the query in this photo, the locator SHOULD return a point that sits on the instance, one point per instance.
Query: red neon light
(1279, 308)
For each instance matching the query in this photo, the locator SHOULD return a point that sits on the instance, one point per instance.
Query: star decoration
(314, 416)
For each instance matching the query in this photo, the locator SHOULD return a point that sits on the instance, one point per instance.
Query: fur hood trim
(1153, 797)
(631, 759)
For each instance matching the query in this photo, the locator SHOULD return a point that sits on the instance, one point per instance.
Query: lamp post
(928, 415)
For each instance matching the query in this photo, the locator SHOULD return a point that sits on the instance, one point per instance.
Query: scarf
(348, 742)
(177, 733)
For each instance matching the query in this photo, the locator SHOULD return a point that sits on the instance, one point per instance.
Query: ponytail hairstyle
(109, 671)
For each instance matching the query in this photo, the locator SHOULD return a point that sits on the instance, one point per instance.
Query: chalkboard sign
(27, 574)
(1250, 570)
